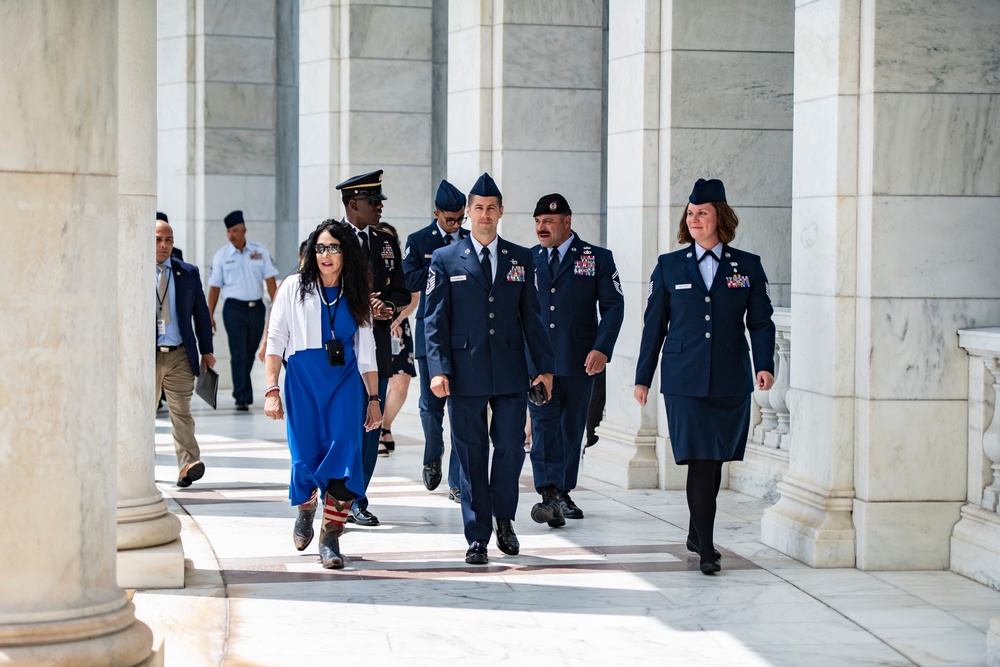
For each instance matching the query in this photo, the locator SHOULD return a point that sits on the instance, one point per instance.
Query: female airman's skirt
(713, 428)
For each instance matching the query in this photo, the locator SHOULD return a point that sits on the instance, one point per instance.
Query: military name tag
(683, 286)
(457, 279)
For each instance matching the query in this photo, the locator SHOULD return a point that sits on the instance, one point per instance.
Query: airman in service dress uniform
(576, 280)
(482, 312)
(449, 214)
(699, 298)
(362, 197)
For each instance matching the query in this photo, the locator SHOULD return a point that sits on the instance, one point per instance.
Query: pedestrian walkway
(616, 588)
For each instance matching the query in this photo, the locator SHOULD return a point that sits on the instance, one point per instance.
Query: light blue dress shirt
(478, 247)
(172, 333)
(710, 265)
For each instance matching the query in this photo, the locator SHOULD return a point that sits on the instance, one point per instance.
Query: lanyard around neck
(336, 304)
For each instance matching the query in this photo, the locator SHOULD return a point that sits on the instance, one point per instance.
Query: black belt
(168, 348)
(248, 304)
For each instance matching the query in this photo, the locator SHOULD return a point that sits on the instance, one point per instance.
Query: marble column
(897, 189)
(365, 104)
(524, 102)
(695, 90)
(59, 203)
(149, 547)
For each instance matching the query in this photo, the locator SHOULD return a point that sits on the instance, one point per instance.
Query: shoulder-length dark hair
(727, 223)
(355, 276)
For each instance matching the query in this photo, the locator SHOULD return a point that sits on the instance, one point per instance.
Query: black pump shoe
(693, 548)
(711, 567)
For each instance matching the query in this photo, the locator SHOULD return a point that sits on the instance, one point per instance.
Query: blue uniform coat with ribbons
(586, 280)
(478, 336)
(420, 245)
(191, 303)
(700, 331)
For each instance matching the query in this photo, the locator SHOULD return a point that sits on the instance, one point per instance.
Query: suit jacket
(388, 283)
(477, 335)
(701, 331)
(585, 281)
(191, 304)
(420, 245)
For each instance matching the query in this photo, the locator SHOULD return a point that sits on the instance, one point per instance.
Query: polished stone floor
(617, 587)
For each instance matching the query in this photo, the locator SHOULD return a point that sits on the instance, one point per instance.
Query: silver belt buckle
(164, 349)
(252, 304)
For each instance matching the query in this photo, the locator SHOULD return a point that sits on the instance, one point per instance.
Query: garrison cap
(365, 186)
(449, 198)
(485, 187)
(707, 191)
(554, 203)
(160, 215)
(233, 219)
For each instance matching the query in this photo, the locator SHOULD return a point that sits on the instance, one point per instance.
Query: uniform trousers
(557, 429)
(244, 327)
(369, 441)
(488, 490)
(432, 421)
(176, 380)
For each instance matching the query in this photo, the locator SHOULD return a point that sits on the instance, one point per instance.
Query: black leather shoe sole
(194, 473)
(693, 548)
(711, 567)
(542, 513)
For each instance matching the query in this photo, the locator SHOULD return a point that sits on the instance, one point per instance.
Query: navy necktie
(487, 267)
(447, 239)
(553, 262)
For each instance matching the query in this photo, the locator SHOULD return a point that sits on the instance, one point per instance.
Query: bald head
(164, 241)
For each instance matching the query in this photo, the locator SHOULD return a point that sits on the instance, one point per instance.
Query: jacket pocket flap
(671, 347)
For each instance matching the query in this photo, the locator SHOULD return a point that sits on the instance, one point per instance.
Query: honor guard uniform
(576, 281)
(449, 205)
(362, 197)
(482, 319)
(239, 271)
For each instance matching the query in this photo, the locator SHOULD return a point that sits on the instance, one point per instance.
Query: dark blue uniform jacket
(191, 303)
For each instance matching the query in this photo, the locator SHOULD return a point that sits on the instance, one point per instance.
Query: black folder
(207, 386)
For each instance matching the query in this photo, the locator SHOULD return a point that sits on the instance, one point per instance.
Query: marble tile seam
(728, 129)
(47, 172)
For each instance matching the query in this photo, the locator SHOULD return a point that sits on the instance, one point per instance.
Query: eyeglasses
(333, 249)
(455, 221)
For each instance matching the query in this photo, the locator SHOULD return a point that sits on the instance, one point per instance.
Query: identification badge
(684, 286)
(457, 279)
(161, 327)
(335, 352)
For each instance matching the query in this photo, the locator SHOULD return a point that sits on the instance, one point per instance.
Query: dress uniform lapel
(691, 268)
(572, 255)
(724, 271)
(470, 262)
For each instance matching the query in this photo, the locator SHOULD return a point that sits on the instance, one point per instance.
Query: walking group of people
(493, 320)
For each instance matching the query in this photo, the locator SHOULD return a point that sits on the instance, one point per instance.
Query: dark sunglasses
(333, 249)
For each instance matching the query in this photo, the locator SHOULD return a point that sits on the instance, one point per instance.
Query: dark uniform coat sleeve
(191, 304)
(420, 245)
(389, 285)
(700, 333)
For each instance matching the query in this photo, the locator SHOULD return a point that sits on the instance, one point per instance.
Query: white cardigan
(298, 325)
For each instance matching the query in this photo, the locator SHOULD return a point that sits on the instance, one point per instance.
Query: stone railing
(768, 446)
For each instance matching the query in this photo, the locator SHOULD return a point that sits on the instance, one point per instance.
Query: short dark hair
(728, 221)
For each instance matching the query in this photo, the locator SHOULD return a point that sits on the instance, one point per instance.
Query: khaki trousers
(175, 379)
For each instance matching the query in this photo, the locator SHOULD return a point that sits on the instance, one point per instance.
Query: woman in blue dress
(703, 301)
(321, 323)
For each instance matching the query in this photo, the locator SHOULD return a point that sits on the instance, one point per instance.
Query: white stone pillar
(696, 90)
(60, 603)
(365, 104)
(149, 547)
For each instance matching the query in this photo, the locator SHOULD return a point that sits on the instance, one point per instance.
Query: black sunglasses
(333, 249)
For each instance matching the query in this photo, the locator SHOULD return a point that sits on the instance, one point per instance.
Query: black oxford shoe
(693, 548)
(476, 555)
(192, 473)
(711, 567)
(569, 508)
(361, 516)
(456, 495)
(506, 539)
(432, 475)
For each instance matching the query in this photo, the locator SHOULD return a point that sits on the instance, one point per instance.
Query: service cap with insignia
(364, 186)
(554, 203)
(233, 219)
(449, 198)
(485, 187)
(708, 191)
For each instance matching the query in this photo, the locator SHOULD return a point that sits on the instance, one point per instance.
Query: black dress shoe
(242, 407)
(302, 533)
(455, 494)
(361, 516)
(711, 567)
(193, 473)
(506, 539)
(432, 475)
(569, 508)
(693, 548)
(476, 555)
(549, 510)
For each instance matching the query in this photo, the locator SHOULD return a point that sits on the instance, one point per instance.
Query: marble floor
(616, 587)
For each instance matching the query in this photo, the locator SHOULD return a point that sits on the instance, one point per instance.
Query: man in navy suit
(576, 280)
(180, 299)
(449, 214)
(482, 311)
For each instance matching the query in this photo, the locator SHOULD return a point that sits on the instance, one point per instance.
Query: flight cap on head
(364, 186)
(554, 204)
(448, 198)
(234, 218)
(707, 191)
(160, 215)
(485, 187)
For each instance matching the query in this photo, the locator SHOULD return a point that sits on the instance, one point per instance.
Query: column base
(810, 524)
(625, 458)
(975, 551)
(904, 535)
(758, 474)
(148, 524)
(161, 566)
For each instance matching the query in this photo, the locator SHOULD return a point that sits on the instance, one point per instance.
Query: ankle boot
(548, 511)
(334, 518)
(302, 533)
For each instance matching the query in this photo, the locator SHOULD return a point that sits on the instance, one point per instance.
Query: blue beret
(485, 187)
(366, 186)
(448, 198)
(234, 218)
(707, 191)
(160, 215)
